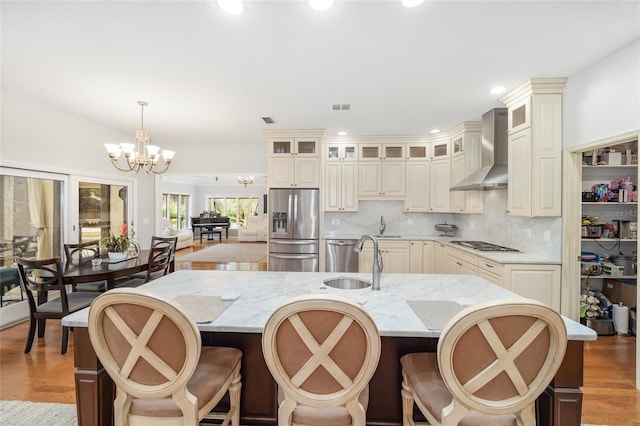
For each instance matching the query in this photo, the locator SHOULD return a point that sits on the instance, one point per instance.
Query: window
(236, 208)
(175, 207)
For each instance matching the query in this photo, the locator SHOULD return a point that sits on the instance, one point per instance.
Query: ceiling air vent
(268, 120)
(341, 107)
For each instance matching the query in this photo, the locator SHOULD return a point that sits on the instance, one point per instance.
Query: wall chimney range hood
(492, 173)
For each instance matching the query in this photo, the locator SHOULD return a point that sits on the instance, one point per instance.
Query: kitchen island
(260, 293)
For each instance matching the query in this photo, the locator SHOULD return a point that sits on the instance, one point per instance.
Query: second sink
(347, 283)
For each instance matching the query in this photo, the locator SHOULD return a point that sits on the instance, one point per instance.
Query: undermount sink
(347, 283)
(388, 236)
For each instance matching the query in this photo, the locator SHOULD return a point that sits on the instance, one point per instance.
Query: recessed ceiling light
(412, 3)
(434, 131)
(233, 7)
(320, 5)
(497, 90)
(342, 133)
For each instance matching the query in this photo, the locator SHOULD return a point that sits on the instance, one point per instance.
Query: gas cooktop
(482, 246)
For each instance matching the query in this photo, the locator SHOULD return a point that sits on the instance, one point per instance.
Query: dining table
(238, 304)
(108, 270)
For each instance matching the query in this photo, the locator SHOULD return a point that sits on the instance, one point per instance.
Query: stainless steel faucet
(377, 259)
(382, 225)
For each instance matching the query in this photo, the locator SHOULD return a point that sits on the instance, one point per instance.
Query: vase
(116, 255)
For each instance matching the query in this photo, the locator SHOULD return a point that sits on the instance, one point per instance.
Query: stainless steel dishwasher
(341, 256)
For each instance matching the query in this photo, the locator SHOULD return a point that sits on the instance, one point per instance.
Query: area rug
(241, 252)
(25, 413)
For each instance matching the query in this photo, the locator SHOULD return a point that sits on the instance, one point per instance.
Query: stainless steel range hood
(493, 155)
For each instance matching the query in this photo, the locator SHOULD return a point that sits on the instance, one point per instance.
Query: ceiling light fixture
(139, 155)
(320, 5)
(342, 133)
(245, 180)
(232, 7)
(497, 90)
(412, 3)
(434, 131)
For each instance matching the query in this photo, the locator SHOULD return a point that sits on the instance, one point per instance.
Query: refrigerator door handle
(290, 217)
(295, 213)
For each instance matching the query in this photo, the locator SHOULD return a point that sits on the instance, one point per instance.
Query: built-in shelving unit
(597, 170)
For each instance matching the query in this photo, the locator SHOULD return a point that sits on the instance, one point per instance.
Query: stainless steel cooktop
(482, 246)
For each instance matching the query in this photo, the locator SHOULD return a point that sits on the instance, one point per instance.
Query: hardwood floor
(610, 397)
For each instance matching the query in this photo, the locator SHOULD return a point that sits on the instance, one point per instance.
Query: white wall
(603, 100)
(40, 137)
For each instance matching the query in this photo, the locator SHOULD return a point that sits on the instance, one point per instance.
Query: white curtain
(40, 195)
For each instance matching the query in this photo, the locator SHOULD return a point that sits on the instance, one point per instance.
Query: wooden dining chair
(322, 351)
(494, 359)
(38, 278)
(152, 350)
(161, 242)
(83, 253)
(159, 265)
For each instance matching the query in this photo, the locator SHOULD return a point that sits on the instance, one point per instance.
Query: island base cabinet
(537, 281)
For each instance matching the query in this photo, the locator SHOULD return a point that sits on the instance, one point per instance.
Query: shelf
(602, 203)
(612, 166)
(609, 239)
(623, 277)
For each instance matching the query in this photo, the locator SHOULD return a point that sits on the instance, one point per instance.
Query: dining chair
(38, 278)
(152, 350)
(159, 264)
(322, 350)
(494, 359)
(81, 253)
(161, 242)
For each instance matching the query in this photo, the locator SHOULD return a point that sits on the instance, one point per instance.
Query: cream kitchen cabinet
(439, 184)
(465, 159)
(340, 177)
(395, 256)
(491, 271)
(293, 161)
(421, 253)
(439, 258)
(381, 171)
(460, 262)
(535, 281)
(417, 177)
(418, 188)
(535, 148)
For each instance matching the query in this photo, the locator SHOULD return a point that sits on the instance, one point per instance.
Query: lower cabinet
(461, 262)
(535, 281)
(421, 257)
(395, 256)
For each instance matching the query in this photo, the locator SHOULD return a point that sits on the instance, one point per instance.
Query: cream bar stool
(322, 351)
(494, 359)
(153, 353)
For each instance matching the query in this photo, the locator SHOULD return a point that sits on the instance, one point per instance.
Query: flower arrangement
(121, 243)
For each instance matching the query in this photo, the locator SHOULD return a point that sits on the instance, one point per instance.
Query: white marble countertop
(496, 256)
(260, 293)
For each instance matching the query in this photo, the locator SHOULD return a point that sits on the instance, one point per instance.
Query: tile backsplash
(493, 226)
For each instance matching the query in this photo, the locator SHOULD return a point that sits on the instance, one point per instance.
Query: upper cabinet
(417, 177)
(293, 159)
(381, 171)
(535, 148)
(340, 177)
(465, 159)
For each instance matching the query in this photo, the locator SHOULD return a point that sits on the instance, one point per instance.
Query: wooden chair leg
(234, 400)
(30, 335)
(41, 326)
(65, 340)
(407, 405)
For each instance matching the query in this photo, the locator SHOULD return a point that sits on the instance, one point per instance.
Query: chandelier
(245, 180)
(139, 155)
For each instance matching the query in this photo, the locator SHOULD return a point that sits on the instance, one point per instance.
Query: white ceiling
(209, 77)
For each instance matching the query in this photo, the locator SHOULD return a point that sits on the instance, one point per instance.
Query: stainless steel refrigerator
(294, 228)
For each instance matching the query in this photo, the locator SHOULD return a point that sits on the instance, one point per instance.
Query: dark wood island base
(559, 405)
